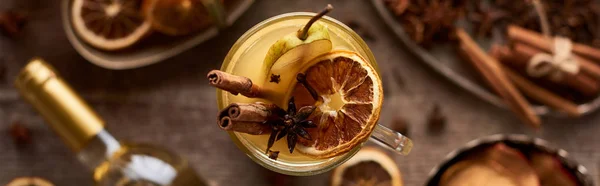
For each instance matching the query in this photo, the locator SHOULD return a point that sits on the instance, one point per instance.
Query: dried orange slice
(370, 166)
(348, 106)
(178, 17)
(109, 24)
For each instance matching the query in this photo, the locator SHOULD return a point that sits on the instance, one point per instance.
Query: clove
(275, 79)
(12, 22)
(21, 135)
(436, 121)
(273, 154)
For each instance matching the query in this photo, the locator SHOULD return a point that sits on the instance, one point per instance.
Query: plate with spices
(535, 58)
(120, 35)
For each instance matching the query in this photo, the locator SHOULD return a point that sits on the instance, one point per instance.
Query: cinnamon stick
(534, 91)
(521, 35)
(247, 118)
(580, 82)
(495, 76)
(535, 39)
(542, 95)
(234, 84)
(483, 71)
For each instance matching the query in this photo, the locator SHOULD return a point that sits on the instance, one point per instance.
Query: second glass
(245, 58)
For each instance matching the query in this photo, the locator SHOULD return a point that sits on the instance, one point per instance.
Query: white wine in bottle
(113, 163)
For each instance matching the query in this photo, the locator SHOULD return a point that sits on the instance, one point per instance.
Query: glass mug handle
(394, 140)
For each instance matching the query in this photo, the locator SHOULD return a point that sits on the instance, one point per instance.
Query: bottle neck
(64, 111)
(83, 131)
(99, 149)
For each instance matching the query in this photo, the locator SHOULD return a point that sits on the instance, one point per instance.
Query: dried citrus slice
(29, 181)
(178, 17)
(369, 166)
(348, 106)
(109, 24)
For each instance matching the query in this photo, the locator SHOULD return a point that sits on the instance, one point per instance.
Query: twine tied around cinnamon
(562, 61)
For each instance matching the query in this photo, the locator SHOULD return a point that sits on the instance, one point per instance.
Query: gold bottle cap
(70, 117)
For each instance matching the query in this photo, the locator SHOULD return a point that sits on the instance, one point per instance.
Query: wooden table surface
(170, 104)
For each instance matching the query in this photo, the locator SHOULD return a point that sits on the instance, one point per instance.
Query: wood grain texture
(170, 103)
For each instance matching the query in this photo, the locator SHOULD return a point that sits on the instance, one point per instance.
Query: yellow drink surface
(248, 62)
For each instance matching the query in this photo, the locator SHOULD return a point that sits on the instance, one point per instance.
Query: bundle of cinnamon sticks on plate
(551, 71)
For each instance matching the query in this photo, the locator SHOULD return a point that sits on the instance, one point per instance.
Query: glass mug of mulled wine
(300, 93)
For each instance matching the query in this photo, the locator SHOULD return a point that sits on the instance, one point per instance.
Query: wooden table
(170, 104)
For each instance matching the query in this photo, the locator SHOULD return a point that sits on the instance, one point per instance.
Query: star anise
(428, 22)
(292, 123)
(485, 17)
(439, 17)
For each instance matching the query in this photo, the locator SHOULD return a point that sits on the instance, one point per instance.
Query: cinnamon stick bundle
(247, 118)
(532, 90)
(234, 84)
(519, 59)
(537, 40)
(504, 53)
(520, 35)
(493, 73)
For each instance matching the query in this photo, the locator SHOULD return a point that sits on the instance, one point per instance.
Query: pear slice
(551, 171)
(477, 174)
(498, 165)
(289, 54)
(290, 51)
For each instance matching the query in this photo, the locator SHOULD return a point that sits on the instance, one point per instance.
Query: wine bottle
(113, 163)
